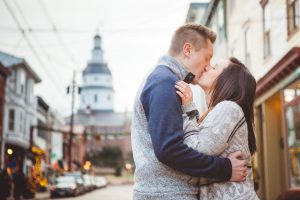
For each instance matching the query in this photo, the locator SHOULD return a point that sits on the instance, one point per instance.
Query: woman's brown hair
(237, 84)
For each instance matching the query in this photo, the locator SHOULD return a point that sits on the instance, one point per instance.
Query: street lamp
(10, 152)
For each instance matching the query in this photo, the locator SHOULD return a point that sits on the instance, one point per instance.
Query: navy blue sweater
(162, 107)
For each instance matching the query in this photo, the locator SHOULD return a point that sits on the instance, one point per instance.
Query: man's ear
(187, 49)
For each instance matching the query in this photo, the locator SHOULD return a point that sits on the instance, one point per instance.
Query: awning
(279, 71)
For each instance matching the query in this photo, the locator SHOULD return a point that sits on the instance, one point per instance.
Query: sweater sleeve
(212, 137)
(165, 124)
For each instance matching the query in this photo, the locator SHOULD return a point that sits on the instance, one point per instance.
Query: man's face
(199, 60)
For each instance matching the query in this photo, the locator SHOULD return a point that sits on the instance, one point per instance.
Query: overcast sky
(135, 33)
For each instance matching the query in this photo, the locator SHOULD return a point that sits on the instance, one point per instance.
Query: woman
(227, 125)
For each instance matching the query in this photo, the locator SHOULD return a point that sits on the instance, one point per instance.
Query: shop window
(292, 118)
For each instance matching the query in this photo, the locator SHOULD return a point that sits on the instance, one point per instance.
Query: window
(108, 98)
(111, 137)
(40, 132)
(247, 47)
(292, 15)
(219, 20)
(25, 126)
(27, 91)
(232, 6)
(22, 89)
(267, 30)
(11, 120)
(22, 83)
(12, 79)
(95, 98)
(21, 122)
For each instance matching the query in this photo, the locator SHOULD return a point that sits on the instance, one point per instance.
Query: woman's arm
(213, 135)
(215, 132)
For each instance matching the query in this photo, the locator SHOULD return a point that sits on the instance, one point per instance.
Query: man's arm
(163, 111)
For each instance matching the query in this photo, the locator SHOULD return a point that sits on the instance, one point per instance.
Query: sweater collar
(174, 65)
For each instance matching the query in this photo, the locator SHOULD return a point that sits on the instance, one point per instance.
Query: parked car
(88, 182)
(79, 180)
(100, 181)
(64, 186)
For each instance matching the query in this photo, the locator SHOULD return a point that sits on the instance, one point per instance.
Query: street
(120, 192)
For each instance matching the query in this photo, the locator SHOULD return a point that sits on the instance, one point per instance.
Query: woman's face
(211, 74)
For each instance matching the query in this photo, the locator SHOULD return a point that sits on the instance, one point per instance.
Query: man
(165, 166)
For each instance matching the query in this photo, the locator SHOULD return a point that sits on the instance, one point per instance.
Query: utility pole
(71, 134)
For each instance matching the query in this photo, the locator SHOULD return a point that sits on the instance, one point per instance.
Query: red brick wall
(124, 143)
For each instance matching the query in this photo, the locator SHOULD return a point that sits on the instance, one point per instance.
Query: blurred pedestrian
(19, 183)
(5, 184)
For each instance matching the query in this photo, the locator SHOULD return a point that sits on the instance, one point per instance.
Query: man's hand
(239, 167)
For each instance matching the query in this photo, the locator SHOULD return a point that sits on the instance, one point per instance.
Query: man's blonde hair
(196, 34)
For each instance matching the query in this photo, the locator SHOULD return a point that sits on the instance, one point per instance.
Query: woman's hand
(185, 92)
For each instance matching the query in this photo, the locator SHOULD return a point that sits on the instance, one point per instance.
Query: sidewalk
(42, 195)
(122, 180)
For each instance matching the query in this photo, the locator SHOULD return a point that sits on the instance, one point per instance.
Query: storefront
(14, 157)
(292, 121)
(277, 125)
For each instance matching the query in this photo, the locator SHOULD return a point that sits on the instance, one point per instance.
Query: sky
(58, 39)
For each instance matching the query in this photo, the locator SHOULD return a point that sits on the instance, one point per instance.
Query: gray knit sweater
(153, 179)
(222, 132)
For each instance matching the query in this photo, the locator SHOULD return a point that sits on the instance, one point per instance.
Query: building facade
(19, 111)
(78, 147)
(267, 40)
